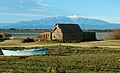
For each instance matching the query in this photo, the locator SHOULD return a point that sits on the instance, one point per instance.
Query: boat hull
(41, 51)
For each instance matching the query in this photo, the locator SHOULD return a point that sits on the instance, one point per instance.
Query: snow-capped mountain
(49, 22)
(74, 17)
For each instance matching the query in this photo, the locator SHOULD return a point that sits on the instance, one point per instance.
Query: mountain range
(49, 22)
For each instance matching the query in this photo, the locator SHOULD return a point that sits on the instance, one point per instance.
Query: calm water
(99, 36)
(29, 35)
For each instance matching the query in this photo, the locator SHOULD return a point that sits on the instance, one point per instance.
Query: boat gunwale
(41, 51)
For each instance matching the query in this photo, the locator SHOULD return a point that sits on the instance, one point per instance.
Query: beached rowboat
(41, 51)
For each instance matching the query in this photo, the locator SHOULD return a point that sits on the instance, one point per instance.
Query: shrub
(114, 35)
(6, 35)
(27, 40)
(1, 39)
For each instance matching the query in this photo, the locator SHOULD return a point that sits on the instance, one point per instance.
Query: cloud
(18, 14)
(40, 3)
(45, 5)
(23, 6)
(38, 10)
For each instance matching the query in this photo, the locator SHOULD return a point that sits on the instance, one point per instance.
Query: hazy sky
(20, 10)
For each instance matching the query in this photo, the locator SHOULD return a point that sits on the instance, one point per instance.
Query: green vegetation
(98, 30)
(6, 35)
(27, 40)
(61, 59)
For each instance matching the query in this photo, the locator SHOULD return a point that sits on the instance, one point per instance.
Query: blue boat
(41, 51)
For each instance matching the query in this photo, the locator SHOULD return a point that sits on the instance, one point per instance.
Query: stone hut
(64, 33)
(67, 33)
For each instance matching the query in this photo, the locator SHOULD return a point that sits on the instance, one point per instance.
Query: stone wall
(76, 37)
(46, 36)
(57, 34)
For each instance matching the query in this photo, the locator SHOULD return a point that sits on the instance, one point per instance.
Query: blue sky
(25, 10)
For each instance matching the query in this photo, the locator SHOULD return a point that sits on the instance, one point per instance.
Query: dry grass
(109, 43)
(114, 35)
(18, 43)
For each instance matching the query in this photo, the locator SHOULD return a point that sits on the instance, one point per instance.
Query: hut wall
(46, 36)
(89, 36)
(75, 37)
(57, 34)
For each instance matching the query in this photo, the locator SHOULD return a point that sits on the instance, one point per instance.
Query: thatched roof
(69, 28)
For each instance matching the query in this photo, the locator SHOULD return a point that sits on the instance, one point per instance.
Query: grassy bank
(18, 43)
(65, 59)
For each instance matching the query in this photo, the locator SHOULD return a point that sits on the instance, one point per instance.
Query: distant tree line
(13, 30)
(97, 30)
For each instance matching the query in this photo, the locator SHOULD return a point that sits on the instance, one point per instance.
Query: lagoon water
(99, 35)
(29, 35)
